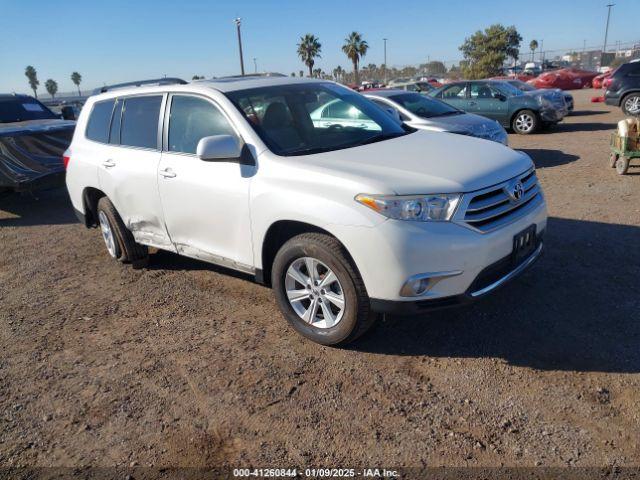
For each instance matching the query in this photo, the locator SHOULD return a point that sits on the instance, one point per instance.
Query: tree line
(484, 55)
(50, 85)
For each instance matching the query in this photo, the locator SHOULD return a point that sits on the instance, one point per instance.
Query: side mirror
(68, 113)
(394, 113)
(219, 147)
(500, 97)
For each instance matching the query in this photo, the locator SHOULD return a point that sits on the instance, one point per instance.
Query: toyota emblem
(516, 191)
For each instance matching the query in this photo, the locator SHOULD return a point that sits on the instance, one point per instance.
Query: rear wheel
(117, 238)
(525, 122)
(631, 104)
(319, 290)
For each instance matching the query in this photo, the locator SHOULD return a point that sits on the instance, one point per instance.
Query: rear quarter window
(99, 121)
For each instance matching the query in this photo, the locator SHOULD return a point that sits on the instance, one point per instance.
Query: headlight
(421, 208)
(544, 102)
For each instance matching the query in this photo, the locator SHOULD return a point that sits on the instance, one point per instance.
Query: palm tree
(308, 49)
(52, 87)
(77, 78)
(533, 46)
(32, 75)
(354, 48)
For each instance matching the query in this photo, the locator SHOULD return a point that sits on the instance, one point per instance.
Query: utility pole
(606, 31)
(385, 60)
(238, 22)
(255, 65)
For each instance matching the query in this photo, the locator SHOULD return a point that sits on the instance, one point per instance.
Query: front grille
(494, 207)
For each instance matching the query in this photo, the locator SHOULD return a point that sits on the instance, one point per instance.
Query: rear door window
(140, 117)
(99, 121)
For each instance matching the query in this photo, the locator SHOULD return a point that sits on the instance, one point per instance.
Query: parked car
(624, 89)
(598, 81)
(420, 87)
(500, 101)
(342, 222)
(530, 89)
(565, 79)
(32, 141)
(426, 113)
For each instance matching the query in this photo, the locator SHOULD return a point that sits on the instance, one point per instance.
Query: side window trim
(166, 119)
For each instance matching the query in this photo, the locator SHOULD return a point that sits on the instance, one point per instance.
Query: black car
(624, 89)
(32, 142)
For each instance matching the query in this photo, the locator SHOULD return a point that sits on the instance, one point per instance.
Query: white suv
(343, 222)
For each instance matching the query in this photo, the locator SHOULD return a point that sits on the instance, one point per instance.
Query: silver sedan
(426, 113)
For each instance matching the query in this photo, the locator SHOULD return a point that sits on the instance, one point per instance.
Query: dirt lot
(181, 364)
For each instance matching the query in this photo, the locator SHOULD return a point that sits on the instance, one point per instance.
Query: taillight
(65, 161)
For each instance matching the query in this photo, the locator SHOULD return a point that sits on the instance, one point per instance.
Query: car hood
(465, 122)
(423, 162)
(35, 126)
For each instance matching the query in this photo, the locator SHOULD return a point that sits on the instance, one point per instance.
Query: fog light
(423, 282)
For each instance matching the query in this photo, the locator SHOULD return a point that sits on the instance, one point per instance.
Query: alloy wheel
(107, 234)
(632, 105)
(314, 292)
(524, 122)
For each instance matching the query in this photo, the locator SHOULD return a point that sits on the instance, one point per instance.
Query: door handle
(167, 173)
(108, 163)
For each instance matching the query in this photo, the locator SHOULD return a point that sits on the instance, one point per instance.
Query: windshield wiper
(378, 138)
(446, 114)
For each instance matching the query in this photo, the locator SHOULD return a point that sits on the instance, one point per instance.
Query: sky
(111, 41)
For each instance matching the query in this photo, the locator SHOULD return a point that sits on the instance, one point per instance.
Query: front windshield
(507, 89)
(299, 119)
(520, 85)
(21, 109)
(425, 107)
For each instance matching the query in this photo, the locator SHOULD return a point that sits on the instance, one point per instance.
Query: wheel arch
(90, 198)
(624, 96)
(278, 233)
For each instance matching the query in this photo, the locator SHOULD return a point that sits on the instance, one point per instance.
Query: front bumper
(393, 251)
(489, 280)
(553, 114)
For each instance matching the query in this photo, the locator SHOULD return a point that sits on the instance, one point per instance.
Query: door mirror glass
(219, 147)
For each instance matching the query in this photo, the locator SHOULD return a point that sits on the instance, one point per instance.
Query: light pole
(385, 60)
(238, 22)
(255, 65)
(606, 31)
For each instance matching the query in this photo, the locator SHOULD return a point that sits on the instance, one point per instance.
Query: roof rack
(250, 76)
(139, 83)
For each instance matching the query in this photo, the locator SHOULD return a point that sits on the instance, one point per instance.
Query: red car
(564, 79)
(598, 82)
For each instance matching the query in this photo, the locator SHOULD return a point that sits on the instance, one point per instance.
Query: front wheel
(319, 290)
(622, 165)
(631, 104)
(525, 122)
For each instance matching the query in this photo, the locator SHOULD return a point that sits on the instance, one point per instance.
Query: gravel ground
(184, 364)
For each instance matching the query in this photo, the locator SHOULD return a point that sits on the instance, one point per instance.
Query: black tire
(622, 165)
(613, 158)
(357, 318)
(127, 250)
(627, 100)
(525, 122)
